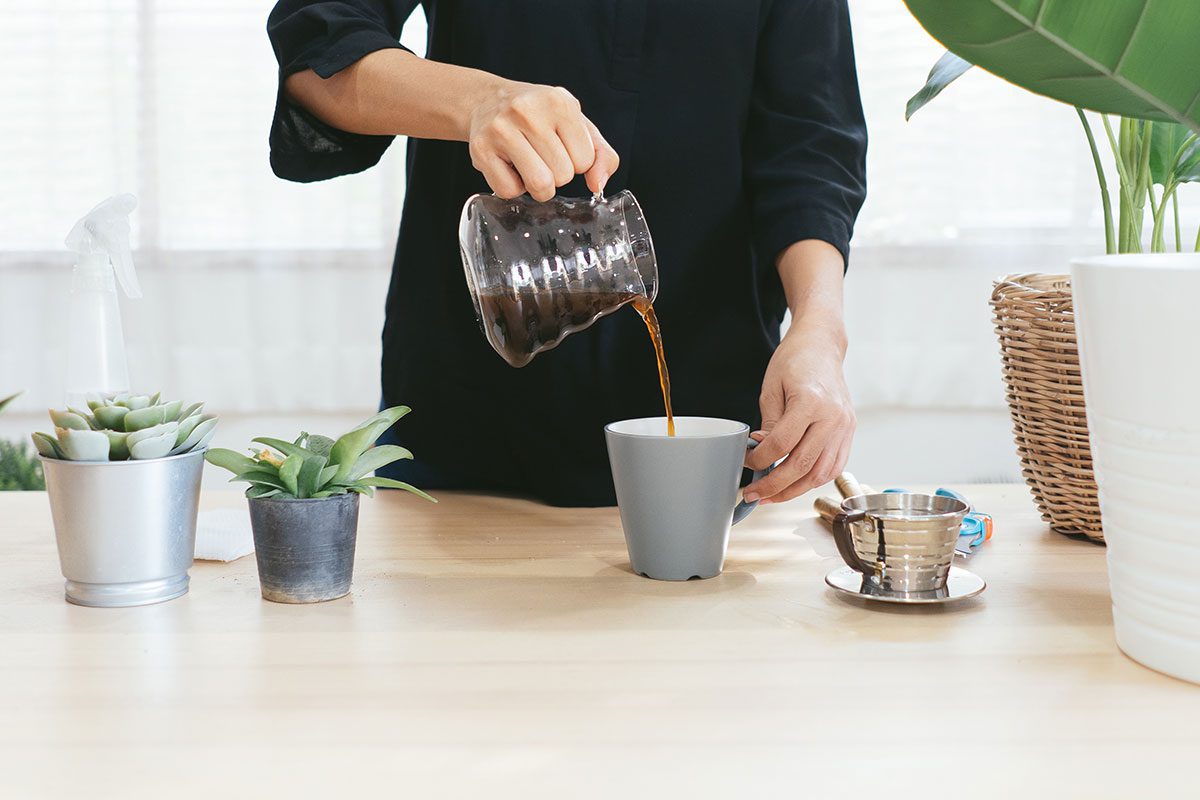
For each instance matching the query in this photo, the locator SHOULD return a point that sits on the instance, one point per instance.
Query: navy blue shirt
(740, 131)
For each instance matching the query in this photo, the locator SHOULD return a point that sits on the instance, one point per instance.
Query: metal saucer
(960, 585)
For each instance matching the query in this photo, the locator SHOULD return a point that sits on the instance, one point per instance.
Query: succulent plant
(316, 466)
(126, 427)
(19, 470)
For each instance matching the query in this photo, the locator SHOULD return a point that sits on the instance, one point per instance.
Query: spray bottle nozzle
(105, 231)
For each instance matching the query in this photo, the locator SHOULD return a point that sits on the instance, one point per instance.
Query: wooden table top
(495, 647)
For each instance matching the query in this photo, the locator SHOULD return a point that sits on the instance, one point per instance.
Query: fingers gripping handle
(743, 509)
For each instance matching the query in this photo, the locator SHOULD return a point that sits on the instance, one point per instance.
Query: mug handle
(743, 509)
(845, 543)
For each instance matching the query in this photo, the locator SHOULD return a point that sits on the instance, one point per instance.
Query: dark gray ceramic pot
(305, 548)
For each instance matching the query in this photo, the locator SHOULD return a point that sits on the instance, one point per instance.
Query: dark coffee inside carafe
(520, 324)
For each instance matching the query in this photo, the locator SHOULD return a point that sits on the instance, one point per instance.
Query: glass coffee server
(539, 272)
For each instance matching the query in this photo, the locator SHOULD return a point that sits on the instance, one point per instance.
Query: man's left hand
(807, 415)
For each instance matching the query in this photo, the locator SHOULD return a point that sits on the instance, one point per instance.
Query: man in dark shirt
(736, 123)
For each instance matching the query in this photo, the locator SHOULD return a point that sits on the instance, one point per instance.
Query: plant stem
(1178, 233)
(1126, 199)
(1110, 237)
(1127, 141)
(1158, 242)
(1156, 218)
(1145, 182)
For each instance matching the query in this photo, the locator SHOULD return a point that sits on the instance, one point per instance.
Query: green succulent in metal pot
(314, 466)
(123, 427)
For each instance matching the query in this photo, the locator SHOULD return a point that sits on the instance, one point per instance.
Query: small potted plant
(123, 478)
(19, 467)
(304, 504)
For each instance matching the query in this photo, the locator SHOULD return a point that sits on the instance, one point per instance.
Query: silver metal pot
(126, 530)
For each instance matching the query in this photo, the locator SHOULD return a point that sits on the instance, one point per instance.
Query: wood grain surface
(493, 647)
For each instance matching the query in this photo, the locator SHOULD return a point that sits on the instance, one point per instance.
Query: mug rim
(741, 429)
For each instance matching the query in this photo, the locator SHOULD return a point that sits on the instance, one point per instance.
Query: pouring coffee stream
(644, 307)
(539, 272)
(521, 321)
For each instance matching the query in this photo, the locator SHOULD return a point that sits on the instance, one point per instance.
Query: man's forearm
(397, 93)
(812, 275)
(522, 137)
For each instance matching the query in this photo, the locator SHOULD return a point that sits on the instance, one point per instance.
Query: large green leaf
(8, 400)
(1174, 154)
(351, 445)
(1136, 58)
(946, 71)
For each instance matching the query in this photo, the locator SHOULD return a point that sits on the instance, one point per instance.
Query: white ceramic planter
(1139, 343)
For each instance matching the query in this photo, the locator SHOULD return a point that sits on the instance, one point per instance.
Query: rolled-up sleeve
(326, 37)
(806, 136)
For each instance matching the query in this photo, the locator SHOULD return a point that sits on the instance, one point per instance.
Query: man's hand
(808, 418)
(531, 138)
(523, 137)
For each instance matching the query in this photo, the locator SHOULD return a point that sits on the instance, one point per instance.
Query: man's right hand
(531, 138)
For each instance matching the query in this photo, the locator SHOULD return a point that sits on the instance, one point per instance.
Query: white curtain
(267, 295)
(259, 294)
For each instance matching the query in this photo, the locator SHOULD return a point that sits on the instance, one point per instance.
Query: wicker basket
(1035, 321)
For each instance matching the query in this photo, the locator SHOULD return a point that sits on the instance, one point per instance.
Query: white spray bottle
(96, 344)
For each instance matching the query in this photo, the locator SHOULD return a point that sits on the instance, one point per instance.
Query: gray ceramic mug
(678, 496)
